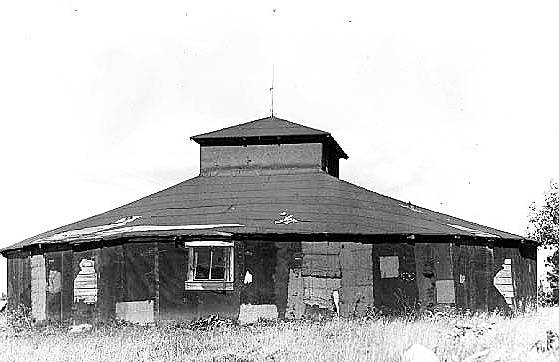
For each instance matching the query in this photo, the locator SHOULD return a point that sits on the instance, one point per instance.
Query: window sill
(208, 285)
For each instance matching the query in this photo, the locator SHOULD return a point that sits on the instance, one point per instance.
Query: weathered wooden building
(267, 230)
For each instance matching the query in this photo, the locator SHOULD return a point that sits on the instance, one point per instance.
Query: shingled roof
(304, 203)
(265, 131)
(269, 126)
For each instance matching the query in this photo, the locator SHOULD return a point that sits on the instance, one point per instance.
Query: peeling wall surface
(425, 275)
(395, 292)
(136, 312)
(495, 278)
(321, 274)
(145, 281)
(249, 313)
(357, 267)
(309, 278)
(295, 308)
(38, 288)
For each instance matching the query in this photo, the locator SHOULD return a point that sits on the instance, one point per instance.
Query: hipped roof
(294, 202)
(269, 130)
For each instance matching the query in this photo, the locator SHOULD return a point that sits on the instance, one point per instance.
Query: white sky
(450, 105)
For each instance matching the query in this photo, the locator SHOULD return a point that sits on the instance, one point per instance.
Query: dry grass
(452, 338)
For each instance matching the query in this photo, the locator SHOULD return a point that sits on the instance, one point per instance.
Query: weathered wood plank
(38, 288)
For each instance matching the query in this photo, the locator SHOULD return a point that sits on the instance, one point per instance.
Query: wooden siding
(226, 160)
(176, 303)
(19, 280)
(260, 261)
(288, 263)
(356, 261)
(399, 293)
(38, 288)
(425, 274)
(513, 290)
(296, 278)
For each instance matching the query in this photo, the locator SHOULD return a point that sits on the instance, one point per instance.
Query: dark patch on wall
(425, 274)
(67, 284)
(19, 280)
(139, 266)
(172, 274)
(288, 258)
(527, 277)
(260, 261)
(399, 293)
(110, 283)
(330, 161)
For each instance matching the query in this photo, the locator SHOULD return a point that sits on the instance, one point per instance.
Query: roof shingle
(294, 202)
(265, 127)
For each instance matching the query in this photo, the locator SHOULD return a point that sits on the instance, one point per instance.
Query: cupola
(268, 145)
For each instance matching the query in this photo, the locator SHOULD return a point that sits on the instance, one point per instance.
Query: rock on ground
(80, 328)
(419, 353)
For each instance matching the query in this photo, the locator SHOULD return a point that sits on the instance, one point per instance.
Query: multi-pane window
(210, 265)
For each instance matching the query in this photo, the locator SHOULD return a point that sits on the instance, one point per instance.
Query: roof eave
(270, 140)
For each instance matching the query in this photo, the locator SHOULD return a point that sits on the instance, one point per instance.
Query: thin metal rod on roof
(272, 88)
(273, 66)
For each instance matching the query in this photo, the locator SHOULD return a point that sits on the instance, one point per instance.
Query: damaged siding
(176, 303)
(425, 275)
(19, 280)
(357, 294)
(38, 288)
(490, 278)
(145, 282)
(321, 274)
(395, 293)
(331, 272)
(84, 285)
(306, 276)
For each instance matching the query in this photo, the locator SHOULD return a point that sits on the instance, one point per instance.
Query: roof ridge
(263, 127)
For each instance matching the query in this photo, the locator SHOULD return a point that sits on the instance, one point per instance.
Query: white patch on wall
(249, 313)
(38, 288)
(445, 291)
(55, 282)
(135, 312)
(389, 266)
(85, 284)
(248, 278)
(503, 282)
(336, 299)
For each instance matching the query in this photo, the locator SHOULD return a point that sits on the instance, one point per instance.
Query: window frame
(191, 283)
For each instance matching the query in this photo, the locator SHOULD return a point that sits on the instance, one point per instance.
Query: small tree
(544, 228)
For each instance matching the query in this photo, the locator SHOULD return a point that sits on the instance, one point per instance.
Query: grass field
(451, 338)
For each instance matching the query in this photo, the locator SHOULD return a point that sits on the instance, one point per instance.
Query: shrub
(19, 318)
